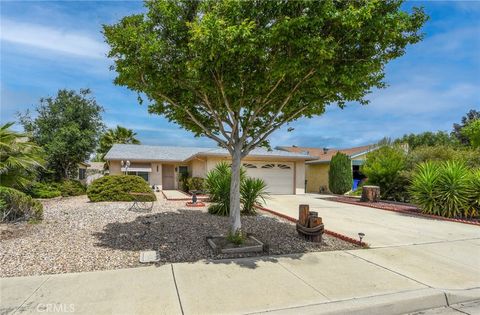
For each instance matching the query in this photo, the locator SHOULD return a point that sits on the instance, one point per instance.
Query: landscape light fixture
(361, 236)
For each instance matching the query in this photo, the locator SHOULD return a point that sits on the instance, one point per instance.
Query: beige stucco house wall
(200, 166)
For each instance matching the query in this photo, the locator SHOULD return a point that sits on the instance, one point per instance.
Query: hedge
(16, 205)
(118, 187)
(43, 190)
(71, 187)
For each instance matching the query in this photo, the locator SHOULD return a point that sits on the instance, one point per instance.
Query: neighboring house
(283, 172)
(82, 171)
(316, 171)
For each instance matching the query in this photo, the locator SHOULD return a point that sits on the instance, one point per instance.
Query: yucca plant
(252, 192)
(453, 189)
(217, 183)
(474, 187)
(423, 187)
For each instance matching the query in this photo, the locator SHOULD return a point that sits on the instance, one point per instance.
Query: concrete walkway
(416, 264)
(377, 281)
(175, 194)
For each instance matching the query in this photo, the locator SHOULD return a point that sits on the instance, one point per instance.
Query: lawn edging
(187, 197)
(371, 205)
(331, 233)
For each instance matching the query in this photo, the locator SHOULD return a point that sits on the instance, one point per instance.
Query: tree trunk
(236, 224)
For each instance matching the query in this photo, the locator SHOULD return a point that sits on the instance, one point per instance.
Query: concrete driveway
(382, 228)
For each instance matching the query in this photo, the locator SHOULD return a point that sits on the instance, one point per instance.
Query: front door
(168, 177)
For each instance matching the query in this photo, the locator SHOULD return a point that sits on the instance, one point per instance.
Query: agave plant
(453, 189)
(423, 187)
(20, 159)
(252, 192)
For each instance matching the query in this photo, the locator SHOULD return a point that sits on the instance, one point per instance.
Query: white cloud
(61, 41)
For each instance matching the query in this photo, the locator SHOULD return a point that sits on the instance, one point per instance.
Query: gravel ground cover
(77, 235)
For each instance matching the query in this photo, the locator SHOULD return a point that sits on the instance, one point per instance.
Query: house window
(82, 173)
(283, 166)
(183, 170)
(248, 165)
(143, 175)
(268, 166)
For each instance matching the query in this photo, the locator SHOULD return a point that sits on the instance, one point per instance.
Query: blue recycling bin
(355, 184)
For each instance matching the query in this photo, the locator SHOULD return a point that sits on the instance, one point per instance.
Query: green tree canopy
(67, 127)
(236, 71)
(118, 135)
(428, 138)
(20, 159)
(472, 133)
(472, 115)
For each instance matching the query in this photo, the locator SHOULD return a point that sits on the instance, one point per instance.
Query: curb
(419, 214)
(331, 233)
(396, 303)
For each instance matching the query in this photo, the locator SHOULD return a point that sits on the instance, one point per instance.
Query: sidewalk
(393, 280)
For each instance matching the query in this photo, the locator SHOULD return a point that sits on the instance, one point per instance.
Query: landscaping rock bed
(77, 235)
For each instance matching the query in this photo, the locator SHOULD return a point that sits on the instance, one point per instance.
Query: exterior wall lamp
(125, 164)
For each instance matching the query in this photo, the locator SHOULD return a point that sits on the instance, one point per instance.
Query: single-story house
(163, 166)
(82, 171)
(316, 171)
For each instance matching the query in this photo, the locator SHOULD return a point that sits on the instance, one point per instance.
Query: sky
(51, 45)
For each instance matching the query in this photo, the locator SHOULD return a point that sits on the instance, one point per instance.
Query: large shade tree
(67, 127)
(236, 71)
(115, 135)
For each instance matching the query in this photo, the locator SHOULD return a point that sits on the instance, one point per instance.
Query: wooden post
(303, 214)
(370, 194)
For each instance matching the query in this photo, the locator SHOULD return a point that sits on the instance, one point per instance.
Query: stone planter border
(236, 250)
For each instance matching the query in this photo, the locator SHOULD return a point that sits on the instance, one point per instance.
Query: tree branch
(274, 127)
(285, 102)
(207, 131)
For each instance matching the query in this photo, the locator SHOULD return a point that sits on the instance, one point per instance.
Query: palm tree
(20, 159)
(117, 135)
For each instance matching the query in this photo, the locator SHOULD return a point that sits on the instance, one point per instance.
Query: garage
(279, 177)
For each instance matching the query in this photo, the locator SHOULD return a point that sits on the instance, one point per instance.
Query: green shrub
(446, 189)
(118, 187)
(470, 157)
(475, 193)
(71, 188)
(252, 190)
(15, 205)
(340, 177)
(217, 184)
(42, 190)
(385, 167)
(195, 183)
(237, 238)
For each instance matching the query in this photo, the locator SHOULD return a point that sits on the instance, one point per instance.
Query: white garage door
(278, 176)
